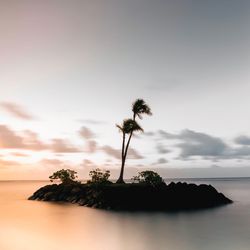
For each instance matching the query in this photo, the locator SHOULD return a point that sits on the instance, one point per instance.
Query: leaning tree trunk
(124, 154)
(120, 179)
(127, 146)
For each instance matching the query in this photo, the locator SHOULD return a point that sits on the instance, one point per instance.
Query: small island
(147, 192)
(150, 193)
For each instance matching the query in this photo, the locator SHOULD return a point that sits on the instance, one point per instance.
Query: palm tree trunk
(130, 136)
(120, 179)
(126, 149)
(124, 154)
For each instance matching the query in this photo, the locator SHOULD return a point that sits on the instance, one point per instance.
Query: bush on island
(99, 176)
(64, 175)
(149, 177)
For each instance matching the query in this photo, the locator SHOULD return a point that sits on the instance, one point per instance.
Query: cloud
(16, 111)
(29, 140)
(133, 154)
(242, 140)
(7, 164)
(92, 121)
(242, 152)
(116, 153)
(86, 133)
(87, 162)
(91, 146)
(32, 141)
(86, 166)
(136, 136)
(196, 144)
(166, 135)
(9, 139)
(161, 149)
(63, 146)
(18, 154)
(162, 161)
(206, 146)
(150, 133)
(111, 151)
(54, 164)
(200, 144)
(205, 172)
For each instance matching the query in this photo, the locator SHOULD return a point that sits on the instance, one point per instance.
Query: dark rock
(48, 196)
(81, 201)
(76, 190)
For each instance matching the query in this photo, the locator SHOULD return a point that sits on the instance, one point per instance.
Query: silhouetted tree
(149, 177)
(64, 175)
(99, 176)
(129, 126)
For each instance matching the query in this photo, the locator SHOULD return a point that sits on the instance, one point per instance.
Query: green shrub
(149, 177)
(64, 175)
(99, 176)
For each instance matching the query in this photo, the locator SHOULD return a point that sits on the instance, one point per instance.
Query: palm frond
(120, 127)
(129, 125)
(139, 107)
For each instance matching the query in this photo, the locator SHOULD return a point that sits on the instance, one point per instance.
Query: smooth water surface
(34, 225)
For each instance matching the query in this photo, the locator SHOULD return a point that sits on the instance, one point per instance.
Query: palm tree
(129, 126)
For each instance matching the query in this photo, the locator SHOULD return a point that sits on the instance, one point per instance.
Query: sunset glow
(70, 71)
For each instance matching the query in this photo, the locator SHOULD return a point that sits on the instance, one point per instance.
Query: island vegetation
(146, 191)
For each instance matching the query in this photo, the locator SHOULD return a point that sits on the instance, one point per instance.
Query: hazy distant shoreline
(165, 179)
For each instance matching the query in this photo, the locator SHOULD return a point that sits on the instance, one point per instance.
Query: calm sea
(34, 225)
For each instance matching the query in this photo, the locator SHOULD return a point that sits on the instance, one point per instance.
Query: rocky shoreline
(129, 197)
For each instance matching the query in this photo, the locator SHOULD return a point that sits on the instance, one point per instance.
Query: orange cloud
(91, 146)
(63, 146)
(51, 165)
(88, 164)
(52, 162)
(8, 138)
(86, 133)
(32, 141)
(29, 140)
(7, 164)
(17, 111)
(18, 154)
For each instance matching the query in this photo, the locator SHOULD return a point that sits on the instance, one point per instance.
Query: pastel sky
(70, 70)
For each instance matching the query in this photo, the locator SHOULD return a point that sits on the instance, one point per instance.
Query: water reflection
(29, 225)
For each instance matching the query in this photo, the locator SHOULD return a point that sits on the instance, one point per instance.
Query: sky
(70, 70)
